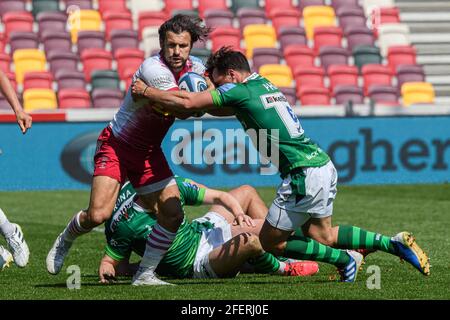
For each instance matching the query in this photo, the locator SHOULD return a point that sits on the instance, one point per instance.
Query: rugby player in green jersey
(308, 188)
(209, 247)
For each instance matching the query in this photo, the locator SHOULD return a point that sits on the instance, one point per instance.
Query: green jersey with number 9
(260, 105)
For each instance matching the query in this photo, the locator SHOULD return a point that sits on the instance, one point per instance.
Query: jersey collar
(253, 76)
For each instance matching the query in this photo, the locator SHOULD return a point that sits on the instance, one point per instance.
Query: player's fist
(138, 88)
(107, 273)
(24, 120)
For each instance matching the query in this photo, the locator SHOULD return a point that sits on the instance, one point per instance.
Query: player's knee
(247, 190)
(326, 239)
(269, 245)
(96, 217)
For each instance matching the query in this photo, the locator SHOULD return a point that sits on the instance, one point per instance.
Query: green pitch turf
(423, 210)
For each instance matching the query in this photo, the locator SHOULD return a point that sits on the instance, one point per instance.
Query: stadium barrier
(57, 152)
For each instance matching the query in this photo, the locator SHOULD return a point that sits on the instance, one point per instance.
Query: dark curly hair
(180, 23)
(226, 58)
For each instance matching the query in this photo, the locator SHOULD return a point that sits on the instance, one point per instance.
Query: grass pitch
(421, 209)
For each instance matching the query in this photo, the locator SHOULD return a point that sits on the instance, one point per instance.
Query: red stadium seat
(346, 93)
(309, 77)
(116, 21)
(218, 18)
(327, 36)
(107, 98)
(375, 74)
(2, 42)
(70, 79)
(37, 80)
(299, 55)
(204, 5)
(342, 75)
(5, 62)
(74, 98)
(382, 15)
(225, 36)
(284, 17)
(90, 39)
(112, 5)
(314, 96)
(124, 39)
(271, 4)
(95, 59)
(383, 94)
(128, 58)
(150, 19)
(18, 21)
(128, 76)
(177, 5)
(332, 55)
(11, 5)
(398, 55)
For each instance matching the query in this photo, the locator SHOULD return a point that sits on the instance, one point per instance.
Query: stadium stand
(26, 60)
(37, 80)
(263, 56)
(280, 75)
(74, 98)
(259, 36)
(291, 35)
(39, 99)
(106, 98)
(417, 92)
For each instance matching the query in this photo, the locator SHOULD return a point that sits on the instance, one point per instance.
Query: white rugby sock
(159, 241)
(6, 227)
(74, 229)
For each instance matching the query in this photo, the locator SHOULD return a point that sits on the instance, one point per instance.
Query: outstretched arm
(174, 101)
(23, 119)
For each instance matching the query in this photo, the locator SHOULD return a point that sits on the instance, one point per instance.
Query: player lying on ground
(11, 231)
(209, 247)
(305, 196)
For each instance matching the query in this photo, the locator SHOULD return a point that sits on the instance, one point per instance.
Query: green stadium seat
(44, 5)
(238, 4)
(105, 79)
(366, 55)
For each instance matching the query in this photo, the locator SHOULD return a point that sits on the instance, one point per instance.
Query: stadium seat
(263, 56)
(204, 5)
(342, 75)
(171, 5)
(409, 73)
(366, 55)
(112, 5)
(90, 39)
(327, 36)
(17, 21)
(107, 98)
(290, 94)
(359, 36)
(26, 60)
(23, 40)
(105, 79)
(385, 15)
(345, 93)
(284, 17)
(150, 19)
(291, 35)
(62, 60)
(383, 94)
(2, 42)
(95, 59)
(67, 79)
(392, 34)
(124, 39)
(351, 16)
(299, 55)
(225, 36)
(37, 80)
(417, 92)
(116, 21)
(259, 36)
(309, 77)
(201, 53)
(5, 62)
(248, 16)
(368, 5)
(218, 18)
(271, 4)
(317, 16)
(59, 40)
(44, 5)
(332, 55)
(51, 21)
(128, 77)
(12, 6)
(137, 6)
(190, 13)
(337, 4)
(150, 40)
(314, 96)
(398, 55)
(83, 20)
(39, 99)
(128, 58)
(74, 98)
(375, 74)
(302, 4)
(82, 4)
(279, 74)
(238, 4)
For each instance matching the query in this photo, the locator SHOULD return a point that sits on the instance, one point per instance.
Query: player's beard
(177, 65)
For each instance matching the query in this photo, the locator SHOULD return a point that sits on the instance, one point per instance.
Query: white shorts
(210, 240)
(288, 211)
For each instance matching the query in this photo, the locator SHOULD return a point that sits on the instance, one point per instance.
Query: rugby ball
(192, 82)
